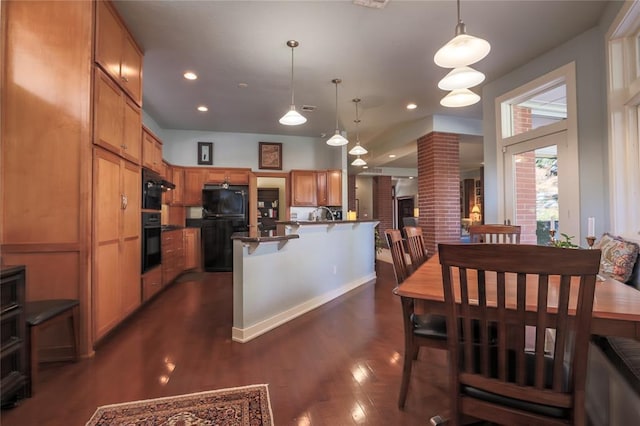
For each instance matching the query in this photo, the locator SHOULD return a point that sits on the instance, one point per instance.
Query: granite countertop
(262, 237)
(323, 222)
(164, 228)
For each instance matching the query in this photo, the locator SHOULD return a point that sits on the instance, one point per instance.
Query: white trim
(569, 178)
(243, 335)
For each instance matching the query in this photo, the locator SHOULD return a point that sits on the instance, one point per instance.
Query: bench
(613, 383)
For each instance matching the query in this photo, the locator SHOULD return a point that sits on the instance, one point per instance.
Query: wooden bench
(42, 314)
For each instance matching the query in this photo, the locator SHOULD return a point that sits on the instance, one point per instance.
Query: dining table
(616, 306)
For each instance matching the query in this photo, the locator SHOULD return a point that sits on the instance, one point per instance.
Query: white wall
(588, 52)
(241, 150)
(364, 194)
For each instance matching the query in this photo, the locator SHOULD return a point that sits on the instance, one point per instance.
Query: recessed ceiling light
(392, 156)
(243, 85)
(190, 75)
(203, 108)
(410, 177)
(365, 167)
(412, 106)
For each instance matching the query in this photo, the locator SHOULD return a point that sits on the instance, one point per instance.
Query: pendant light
(461, 78)
(358, 149)
(292, 117)
(359, 162)
(463, 49)
(337, 139)
(459, 98)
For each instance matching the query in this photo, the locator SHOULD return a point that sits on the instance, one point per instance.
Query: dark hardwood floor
(337, 365)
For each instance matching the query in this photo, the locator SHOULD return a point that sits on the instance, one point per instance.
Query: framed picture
(205, 153)
(478, 192)
(270, 155)
(478, 184)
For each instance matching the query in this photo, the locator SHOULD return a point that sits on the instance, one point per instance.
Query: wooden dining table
(616, 307)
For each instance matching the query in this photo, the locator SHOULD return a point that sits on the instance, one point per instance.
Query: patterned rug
(243, 406)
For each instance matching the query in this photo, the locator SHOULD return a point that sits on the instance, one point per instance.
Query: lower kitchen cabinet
(172, 255)
(192, 248)
(151, 283)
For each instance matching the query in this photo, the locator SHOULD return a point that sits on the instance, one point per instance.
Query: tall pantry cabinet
(48, 183)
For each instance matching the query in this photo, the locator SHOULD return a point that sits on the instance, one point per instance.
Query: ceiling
(383, 56)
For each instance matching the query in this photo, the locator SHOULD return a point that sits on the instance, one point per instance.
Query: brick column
(439, 188)
(525, 184)
(382, 204)
(351, 194)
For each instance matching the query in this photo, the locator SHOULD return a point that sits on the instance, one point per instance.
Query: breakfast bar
(302, 265)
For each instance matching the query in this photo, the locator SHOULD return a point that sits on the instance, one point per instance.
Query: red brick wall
(525, 175)
(439, 188)
(382, 204)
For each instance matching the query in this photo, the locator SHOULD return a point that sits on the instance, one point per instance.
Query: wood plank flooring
(337, 365)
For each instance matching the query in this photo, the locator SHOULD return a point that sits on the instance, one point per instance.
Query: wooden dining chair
(415, 246)
(501, 380)
(419, 329)
(494, 234)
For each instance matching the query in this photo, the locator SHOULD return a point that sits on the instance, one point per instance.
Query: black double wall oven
(151, 223)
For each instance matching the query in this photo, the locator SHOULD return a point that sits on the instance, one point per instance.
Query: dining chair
(415, 245)
(507, 234)
(501, 380)
(419, 329)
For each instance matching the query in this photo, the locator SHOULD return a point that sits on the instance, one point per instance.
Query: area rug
(243, 406)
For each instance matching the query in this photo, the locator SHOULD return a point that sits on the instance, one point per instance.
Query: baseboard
(243, 335)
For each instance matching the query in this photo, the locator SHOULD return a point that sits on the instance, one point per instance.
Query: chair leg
(410, 354)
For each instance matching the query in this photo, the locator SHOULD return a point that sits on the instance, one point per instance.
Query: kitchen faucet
(319, 209)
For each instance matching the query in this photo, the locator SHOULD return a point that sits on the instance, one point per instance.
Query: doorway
(405, 209)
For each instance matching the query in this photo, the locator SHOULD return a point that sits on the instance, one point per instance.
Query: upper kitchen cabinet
(304, 188)
(177, 177)
(117, 52)
(117, 119)
(333, 188)
(151, 152)
(236, 176)
(193, 182)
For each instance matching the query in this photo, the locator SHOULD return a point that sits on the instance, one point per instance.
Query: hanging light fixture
(461, 78)
(358, 149)
(463, 49)
(359, 162)
(459, 98)
(292, 117)
(337, 139)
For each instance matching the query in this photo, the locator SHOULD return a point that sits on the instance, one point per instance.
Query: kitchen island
(302, 265)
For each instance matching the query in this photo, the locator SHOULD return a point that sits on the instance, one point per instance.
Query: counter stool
(40, 315)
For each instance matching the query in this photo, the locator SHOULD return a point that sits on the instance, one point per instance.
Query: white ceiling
(383, 56)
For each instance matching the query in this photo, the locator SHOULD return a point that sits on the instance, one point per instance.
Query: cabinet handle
(125, 79)
(125, 201)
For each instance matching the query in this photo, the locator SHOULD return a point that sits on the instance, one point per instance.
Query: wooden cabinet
(116, 51)
(117, 120)
(172, 255)
(192, 249)
(151, 283)
(177, 177)
(13, 349)
(314, 188)
(193, 184)
(116, 224)
(304, 188)
(232, 176)
(151, 151)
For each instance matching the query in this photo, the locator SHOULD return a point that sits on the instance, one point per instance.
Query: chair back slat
(394, 239)
(494, 234)
(489, 290)
(415, 245)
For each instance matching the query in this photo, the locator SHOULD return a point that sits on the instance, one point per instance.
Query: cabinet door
(130, 248)
(303, 188)
(238, 177)
(177, 177)
(106, 290)
(157, 157)
(193, 183)
(108, 49)
(216, 176)
(108, 113)
(334, 187)
(132, 138)
(151, 283)
(191, 248)
(321, 182)
(149, 151)
(131, 68)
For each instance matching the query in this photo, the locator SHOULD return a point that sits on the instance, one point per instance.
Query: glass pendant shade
(462, 50)
(358, 162)
(461, 78)
(459, 98)
(358, 150)
(292, 117)
(337, 139)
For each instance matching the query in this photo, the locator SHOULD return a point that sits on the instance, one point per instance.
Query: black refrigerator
(224, 212)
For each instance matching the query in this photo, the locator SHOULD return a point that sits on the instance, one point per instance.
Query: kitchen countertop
(165, 228)
(262, 237)
(323, 222)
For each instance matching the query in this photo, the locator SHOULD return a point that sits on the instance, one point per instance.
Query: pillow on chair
(618, 257)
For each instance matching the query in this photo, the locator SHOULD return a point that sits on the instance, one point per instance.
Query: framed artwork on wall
(205, 153)
(270, 155)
